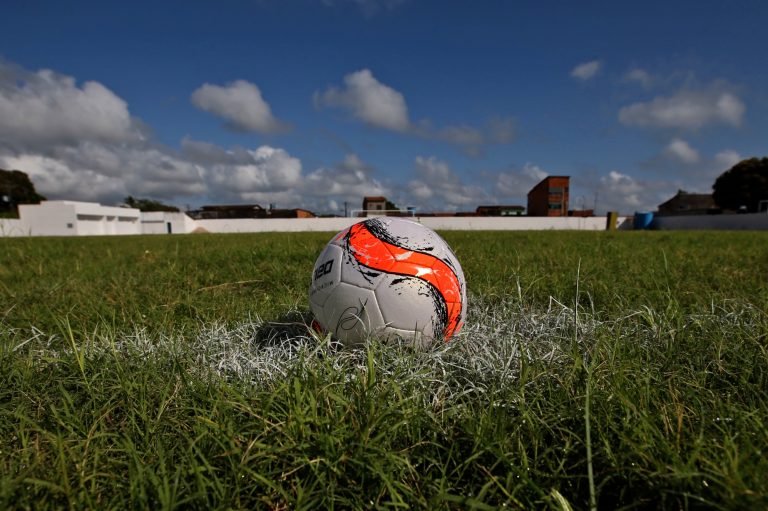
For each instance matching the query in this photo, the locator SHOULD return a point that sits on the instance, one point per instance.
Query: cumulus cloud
(686, 110)
(681, 151)
(516, 184)
(55, 178)
(437, 185)
(240, 104)
(369, 101)
(587, 70)
(44, 108)
(269, 170)
(346, 182)
(381, 106)
(620, 191)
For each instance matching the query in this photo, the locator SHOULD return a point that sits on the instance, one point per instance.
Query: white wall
(156, 222)
(437, 223)
(13, 227)
(71, 218)
(49, 219)
(751, 221)
(518, 223)
(276, 224)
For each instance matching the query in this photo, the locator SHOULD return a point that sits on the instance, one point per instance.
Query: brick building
(549, 197)
(509, 210)
(248, 211)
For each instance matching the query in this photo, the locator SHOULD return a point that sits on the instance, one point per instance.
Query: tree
(15, 189)
(148, 205)
(743, 185)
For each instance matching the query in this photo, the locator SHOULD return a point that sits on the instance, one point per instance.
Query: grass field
(616, 370)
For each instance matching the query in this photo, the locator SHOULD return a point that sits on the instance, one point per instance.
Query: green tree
(15, 189)
(743, 185)
(148, 205)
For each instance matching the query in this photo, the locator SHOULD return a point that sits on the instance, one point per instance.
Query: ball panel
(326, 275)
(352, 313)
(359, 275)
(411, 304)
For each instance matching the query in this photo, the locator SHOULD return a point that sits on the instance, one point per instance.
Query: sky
(442, 105)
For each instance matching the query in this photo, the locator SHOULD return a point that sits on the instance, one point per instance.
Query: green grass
(176, 372)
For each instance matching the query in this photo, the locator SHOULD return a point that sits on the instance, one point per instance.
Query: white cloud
(587, 70)
(270, 170)
(347, 182)
(622, 189)
(240, 104)
(438, 187)
(680, 150)
(515, 185)
(368, 100)
(379, 105)
(639, 76)
(626, 194)
(688, 110)
(726, 159)
(45, 108)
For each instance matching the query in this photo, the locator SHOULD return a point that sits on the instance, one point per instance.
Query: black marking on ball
(379, 229)
(425, 288)
(351, 317)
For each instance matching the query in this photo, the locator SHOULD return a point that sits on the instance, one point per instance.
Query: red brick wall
(550, 197)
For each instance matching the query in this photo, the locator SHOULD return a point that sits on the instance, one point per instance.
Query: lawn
(608, 369)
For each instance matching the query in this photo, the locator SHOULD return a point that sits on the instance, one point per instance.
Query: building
(71, 218)
(549, 197)
(684, 203)
(166, 222)
(581, 213)
(373, 204)
(229, 211)
(513, 210)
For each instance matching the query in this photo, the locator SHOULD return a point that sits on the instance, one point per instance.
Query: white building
(71, 218)
(166, 222)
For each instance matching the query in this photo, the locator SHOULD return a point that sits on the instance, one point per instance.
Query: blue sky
(442, 105)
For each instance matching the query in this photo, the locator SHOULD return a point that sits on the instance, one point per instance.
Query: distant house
(290, 213)
(549, 197)
(249, 211)
(213, 212)
(684, 203)
(513, 210)
(582, 213)
(374, 204)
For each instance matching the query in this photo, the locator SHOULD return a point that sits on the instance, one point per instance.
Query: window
(555, 205)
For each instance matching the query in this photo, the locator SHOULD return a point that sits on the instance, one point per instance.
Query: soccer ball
(388, 277)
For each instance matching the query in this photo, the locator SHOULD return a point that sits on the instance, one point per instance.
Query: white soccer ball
(388, 277)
